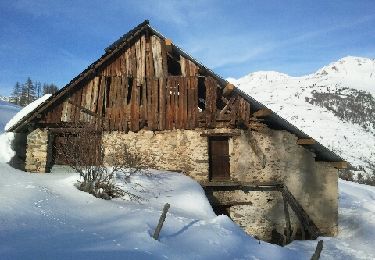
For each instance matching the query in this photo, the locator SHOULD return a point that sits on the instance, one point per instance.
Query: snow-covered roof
(24, 112)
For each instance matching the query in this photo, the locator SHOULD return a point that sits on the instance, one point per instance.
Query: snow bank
(46, 217)
(6, 152)
(356, 225)
(25, 111)
(7, 111)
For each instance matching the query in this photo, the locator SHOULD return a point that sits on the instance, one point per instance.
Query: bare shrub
(346, 174)
(82, 150)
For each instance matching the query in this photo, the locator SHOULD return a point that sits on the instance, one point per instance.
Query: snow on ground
(7, 112)
(43, 216)
(356, 225)
(25, 111)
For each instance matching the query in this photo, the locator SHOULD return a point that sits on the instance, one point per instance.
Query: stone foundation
(37, 151)
(255, 157)
(269, 157)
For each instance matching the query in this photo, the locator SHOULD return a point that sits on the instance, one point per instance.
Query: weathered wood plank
(172, 90)
(306, 141)
(155, 103)
(190, 101)
(168, 116)
(163, 54)
(162, 101)
(135, 116)
(262, 112)
(144, 104)
(157, 56)
(194, 86)
(176, 103)
(180, 103)
(340, 165)
(125, 109)
(183, 66)
(211, 95)
(138, 63)
(234, 112)
(143, 57)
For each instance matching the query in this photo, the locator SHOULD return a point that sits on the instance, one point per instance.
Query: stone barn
(269, 177)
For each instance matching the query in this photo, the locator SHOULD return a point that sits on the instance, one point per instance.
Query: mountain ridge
(335, 105)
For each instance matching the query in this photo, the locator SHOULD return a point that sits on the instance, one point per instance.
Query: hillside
(335, 105)
(7, 112)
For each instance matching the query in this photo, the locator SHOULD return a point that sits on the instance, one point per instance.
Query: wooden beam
(340, 165)
(233, 203)
(275, 185)
(168, 45)
(228, 105)
(306, 141)
(256, 126)
(85, 110)
(220, 134)
(228, 89)
(262, 112)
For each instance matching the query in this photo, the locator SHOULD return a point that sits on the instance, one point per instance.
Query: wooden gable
(148, 84)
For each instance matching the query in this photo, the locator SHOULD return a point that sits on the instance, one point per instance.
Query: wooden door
(219, 158)
(72, 149)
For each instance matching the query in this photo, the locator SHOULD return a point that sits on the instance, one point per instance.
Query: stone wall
(271, 157)
(255, 157)
(37, 151)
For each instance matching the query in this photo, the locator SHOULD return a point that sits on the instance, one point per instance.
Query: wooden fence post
(318, 250)
(161, 221)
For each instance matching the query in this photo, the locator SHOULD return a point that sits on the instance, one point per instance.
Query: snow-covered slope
(46, 217)
(7, 111)
(330, 105)
(356, 225)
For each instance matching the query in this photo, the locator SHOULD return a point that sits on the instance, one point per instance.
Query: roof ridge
(116, 43)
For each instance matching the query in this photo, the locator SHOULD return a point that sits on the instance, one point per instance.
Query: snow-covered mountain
(6, 99)
(335, 105)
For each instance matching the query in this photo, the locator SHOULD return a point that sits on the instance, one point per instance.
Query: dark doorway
(219, 158)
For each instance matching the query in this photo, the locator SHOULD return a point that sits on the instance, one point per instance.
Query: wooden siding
(135, 90)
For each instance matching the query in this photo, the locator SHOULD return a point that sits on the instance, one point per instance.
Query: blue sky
(53, 41)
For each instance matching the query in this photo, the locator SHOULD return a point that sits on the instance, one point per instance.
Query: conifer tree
(49, 88)
(16, 94)
(38, 88)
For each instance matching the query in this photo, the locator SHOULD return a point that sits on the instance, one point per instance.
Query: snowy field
(44, 216)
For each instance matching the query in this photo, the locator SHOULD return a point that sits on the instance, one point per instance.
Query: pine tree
(49, 88)
(38, 87)
(16, 94)
(30, 90)
(23, 96)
